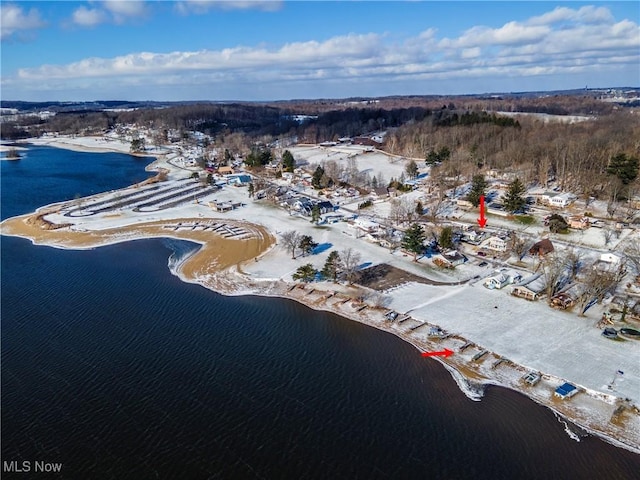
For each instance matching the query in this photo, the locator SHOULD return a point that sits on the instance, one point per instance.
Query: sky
(280, 50)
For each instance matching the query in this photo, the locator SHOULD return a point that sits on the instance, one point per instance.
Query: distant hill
(101, 105)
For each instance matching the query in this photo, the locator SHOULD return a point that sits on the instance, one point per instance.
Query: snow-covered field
(549, 118)
(374, 163)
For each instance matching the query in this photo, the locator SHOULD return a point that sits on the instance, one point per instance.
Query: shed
(566, 390)
(238, 179)
(610, 258)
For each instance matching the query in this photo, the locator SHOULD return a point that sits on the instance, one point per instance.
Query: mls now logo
(26, 466)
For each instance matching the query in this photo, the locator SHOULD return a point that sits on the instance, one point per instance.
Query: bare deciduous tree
(631, 251)
(574, 262)
(402, 210)
(597, 283)
(391, 239)
(395, 212)
(607, 234)
(377, 299)
(554, 268)
(350, 262)
(519, 245)
(290, 240)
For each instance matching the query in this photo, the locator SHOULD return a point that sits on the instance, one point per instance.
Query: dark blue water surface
(117, 369)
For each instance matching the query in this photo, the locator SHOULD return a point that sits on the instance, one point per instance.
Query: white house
(502, 278)
(562, 200)
(610, 258)
(497, 243)
(546, 196)
(608, 262)
(496, 282)
(366, 225)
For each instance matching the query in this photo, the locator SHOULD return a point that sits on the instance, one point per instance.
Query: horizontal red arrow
(444, 353)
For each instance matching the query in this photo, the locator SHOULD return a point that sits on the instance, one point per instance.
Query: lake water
(115, 368)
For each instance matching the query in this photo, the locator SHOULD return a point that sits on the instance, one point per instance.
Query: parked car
(482, 254)
(483, 264)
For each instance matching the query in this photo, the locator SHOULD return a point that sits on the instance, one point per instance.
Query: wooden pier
(479, 355)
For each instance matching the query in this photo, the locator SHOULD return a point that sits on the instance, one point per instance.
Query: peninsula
(463, 299)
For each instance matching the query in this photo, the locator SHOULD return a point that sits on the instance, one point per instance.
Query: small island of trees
(13, 154)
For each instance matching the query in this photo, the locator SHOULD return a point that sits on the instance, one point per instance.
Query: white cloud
(122, 10)
(345, 51)
(200, 7)
(88, 17)
(474, 52)
(114, 11)
(562, 42)
(512, 33)
(14, 19)
(588, 14)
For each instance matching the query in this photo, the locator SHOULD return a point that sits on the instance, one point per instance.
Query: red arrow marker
(482, 221)
(444, 353)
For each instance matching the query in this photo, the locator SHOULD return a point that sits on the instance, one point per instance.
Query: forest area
(471, 130)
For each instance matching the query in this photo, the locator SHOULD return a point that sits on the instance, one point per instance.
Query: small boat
(630, 332)
(437, 332)
(610, 333)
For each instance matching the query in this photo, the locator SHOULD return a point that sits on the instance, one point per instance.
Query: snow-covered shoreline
(269, 275)
(82, 144)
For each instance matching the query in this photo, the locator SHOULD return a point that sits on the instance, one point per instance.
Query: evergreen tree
(446, 238)
(478, 187)
(557, 224)
(307, 244)
(332, 266)
(305, 273)
(411, 169)
(514, 199)
(444, 153)
(137, 145)
(413, 240)
(315, 214)
(624, 167)
(288, 162)
(432, 158)
(419, 208)
(316, 180)
(258, 157)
